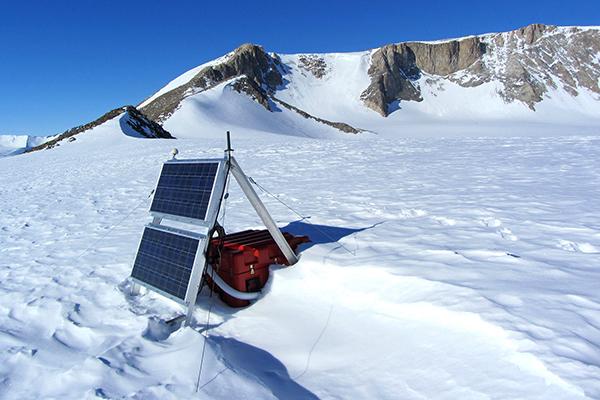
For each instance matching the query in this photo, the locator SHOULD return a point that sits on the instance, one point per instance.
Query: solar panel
(165, 260)
(185, 189)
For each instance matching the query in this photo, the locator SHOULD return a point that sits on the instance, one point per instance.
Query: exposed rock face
(395, 67)
(391, 71)
(144, 125)
(253, 90)
(528, 62)
(314, 64)
(135, 120)
(252, 61)
(447, 57)
(532, 60)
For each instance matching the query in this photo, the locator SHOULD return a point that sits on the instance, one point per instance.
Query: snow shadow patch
(321, 234)
(259, 365)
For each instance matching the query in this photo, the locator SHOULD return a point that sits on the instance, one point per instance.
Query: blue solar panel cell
(165, 261)
(185, 189)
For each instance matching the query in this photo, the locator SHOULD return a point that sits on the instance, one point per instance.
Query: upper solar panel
(186, 188)
(165, 261)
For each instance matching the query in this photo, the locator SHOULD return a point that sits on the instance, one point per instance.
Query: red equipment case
(245, 260)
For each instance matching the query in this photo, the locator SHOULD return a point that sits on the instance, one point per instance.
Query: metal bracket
(262, 212)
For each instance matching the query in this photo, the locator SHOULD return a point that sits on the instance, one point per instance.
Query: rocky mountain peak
(531, 33)
(249, 60)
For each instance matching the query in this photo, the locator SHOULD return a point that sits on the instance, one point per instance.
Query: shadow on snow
(259, 365)
(321, 234)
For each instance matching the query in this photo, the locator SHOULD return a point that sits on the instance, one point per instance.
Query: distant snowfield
(16, 144)
(461, 268)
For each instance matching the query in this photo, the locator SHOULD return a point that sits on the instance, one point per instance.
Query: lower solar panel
(165, 261)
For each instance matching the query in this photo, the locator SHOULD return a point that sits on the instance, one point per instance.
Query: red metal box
(244, 260)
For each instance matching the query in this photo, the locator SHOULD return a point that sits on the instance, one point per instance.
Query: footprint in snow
(412, 213)
(577, 247)
(507, 234)
(503, 231)
(444, 221)
(491, 222)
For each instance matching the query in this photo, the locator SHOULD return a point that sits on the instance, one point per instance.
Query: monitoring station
(172, 260)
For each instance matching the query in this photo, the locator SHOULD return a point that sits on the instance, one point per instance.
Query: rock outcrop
(534, 60)
(446, 58)
(253, 90)
(313, 64)
(395, 68)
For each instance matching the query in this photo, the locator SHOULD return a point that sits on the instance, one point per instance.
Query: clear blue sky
(63, 63)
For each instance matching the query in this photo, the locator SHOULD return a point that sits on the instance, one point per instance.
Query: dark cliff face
(250, 60)
(395, 67)
(448, 57)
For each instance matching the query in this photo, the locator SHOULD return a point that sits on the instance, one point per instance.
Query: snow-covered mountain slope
(463, 268)
(223, 107)
(122, 121)
(538, 80)
(535, 80)
(16, 144)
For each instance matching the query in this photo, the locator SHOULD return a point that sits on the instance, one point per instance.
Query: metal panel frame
(213, 204)
(210, 220)
(199, 265)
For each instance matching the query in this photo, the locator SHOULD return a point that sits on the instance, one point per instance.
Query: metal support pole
(262, 212)
(135, 289)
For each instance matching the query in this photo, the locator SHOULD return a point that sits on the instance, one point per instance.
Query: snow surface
(460, 268)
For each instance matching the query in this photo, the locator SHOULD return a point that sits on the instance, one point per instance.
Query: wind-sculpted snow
(463, 268)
